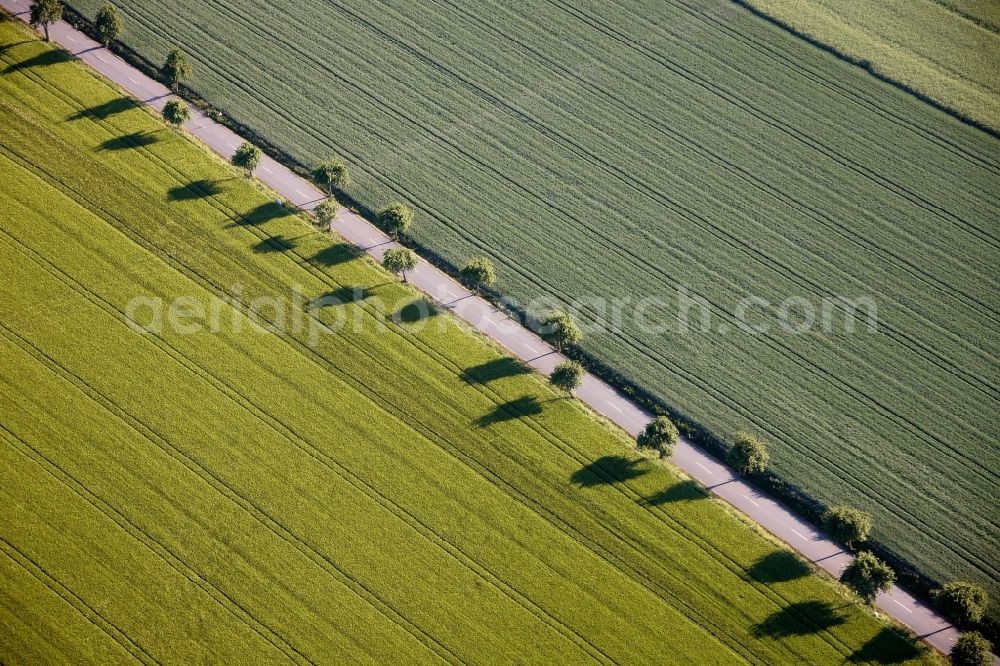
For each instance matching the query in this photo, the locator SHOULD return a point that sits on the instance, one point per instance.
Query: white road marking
(752, 500)
(134, 81)
(102, 58)
(302, 194)
(614, 406)
(703, 467)
(265, 169)
(804, 537)
(902, 606)
(71, 38)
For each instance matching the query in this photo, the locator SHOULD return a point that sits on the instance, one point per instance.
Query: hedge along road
(519, 341)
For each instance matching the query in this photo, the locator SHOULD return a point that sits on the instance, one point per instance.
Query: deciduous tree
(560, 329)
(962, 603)
(399, 261)
(660, 434)
(971, 649)
(749, 454)
(176, 69)
(847, 525)
(44, 13)
(867, 576)
(108, 24)
(395, 218)
(176, 112)
(326, 211)
(247, 157)
(567, 376)
(478, 272)
(331, 175)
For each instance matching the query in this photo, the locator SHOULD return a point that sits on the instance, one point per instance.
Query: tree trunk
(46, 27)
(404, 277)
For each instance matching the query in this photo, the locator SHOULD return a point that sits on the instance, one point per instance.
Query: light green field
(948, 51)
(388, 495)
(607, 152)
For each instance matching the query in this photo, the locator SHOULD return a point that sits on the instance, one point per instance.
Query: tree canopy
(326, 211)
(847, 525)
(749, 454)
(660, 434)
(478, 272)
(176, 68)
(45, 12)
(247, 156)
(108, 24)
(867, 576)
(176, 112)
(971, 649)
(560, 329)
(399, 260)
(395, 218)
(567, 376)
(962, 603)
(332, 175)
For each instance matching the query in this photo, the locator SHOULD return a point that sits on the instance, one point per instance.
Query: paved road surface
(519, 341)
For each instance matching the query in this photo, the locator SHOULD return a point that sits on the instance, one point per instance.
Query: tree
(326, 211)
(748, 455)
(332, 175)
(176, 68)
(108, 24)
(567, 376)
(659, 434)
(560, 329)
(847, 525)
(971, 649)
(176, 112)
(247, 157)
(962, 603)
(478, 272)
(399, 261)
(45, 12)
(867, 576)
(395, 218)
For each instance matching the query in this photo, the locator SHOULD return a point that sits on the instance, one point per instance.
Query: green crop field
(946, 51)
(391, 491)
(626, 149)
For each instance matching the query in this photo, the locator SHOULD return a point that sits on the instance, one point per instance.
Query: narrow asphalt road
(522, 343)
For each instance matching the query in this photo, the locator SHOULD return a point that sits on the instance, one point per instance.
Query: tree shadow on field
(526, 405)
(416, 310)
(609, 469)
(778, 567)
(196, 189)
(497, 368)
(107, 109)
(340, 296)
(800, 619)
(262, 214)
(133, 140)
(682, 491)
(273, 244)
(335, 254)
(42, 59)
(889, 646)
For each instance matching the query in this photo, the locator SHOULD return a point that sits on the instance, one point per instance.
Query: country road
(521, 342)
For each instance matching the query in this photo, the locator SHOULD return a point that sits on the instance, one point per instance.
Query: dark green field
(628, 149)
